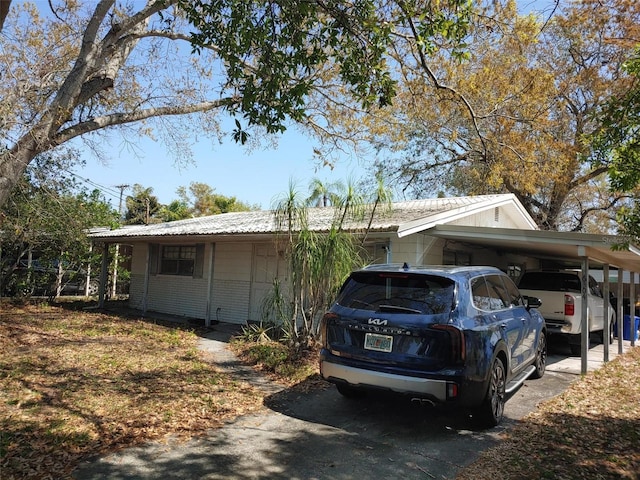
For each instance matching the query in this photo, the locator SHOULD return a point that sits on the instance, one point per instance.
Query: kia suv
(457, 336)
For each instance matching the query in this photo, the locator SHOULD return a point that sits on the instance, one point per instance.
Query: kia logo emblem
(377, 321)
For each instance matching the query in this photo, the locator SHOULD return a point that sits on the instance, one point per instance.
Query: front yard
(79, 383)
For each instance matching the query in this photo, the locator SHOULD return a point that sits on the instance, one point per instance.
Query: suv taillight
(456, 337)
(328, 317)
(569, 305)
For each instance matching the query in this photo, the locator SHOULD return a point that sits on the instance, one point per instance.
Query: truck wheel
(609, 337)
(576, 349)
(492, 409)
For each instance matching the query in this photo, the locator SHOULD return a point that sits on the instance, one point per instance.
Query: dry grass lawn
(77, 383)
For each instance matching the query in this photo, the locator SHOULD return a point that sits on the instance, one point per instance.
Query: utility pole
(122, 188)
(114, 275)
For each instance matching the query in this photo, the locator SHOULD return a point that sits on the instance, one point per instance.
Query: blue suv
(458, 336)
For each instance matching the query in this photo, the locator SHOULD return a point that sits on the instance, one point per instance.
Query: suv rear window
(552, 281)
(398, 292)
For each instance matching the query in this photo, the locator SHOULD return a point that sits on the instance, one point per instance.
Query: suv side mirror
(532, 302)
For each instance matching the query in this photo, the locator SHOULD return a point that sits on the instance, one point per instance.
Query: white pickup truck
(561, 295)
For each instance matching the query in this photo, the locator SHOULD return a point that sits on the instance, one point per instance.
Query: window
(489, 293)
(398, 292)
(178, 260)
(185, 260)
(514, 271)
(514, 294)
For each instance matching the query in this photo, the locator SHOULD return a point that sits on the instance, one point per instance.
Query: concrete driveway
(320, 435)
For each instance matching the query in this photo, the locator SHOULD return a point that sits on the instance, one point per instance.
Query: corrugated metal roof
(263, 222)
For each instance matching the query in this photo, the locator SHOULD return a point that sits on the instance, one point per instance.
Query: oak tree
(511, 116)
(120, 67)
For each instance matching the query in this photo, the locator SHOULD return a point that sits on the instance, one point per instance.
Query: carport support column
(632, 307)
(584, 316)
(103, 274)
(606, 329)
(620, 308)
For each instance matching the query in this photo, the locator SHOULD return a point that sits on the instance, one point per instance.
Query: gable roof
(404, 218)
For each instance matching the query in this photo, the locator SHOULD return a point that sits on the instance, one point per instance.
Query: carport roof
(567, 247)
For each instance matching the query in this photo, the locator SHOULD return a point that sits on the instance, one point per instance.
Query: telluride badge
(377, 321)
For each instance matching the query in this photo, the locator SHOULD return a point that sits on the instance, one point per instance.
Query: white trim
(442, 218)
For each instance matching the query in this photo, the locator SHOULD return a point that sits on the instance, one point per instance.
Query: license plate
(380, 343)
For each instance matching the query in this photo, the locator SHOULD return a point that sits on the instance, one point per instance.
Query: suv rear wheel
(492, 409)
(541, 357)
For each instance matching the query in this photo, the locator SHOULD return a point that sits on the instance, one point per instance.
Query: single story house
(220, 267)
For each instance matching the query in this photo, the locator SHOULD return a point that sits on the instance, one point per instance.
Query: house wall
(231, 288)
(417, 249)
(173, 294)
(182, 296)
(494, 217)
(236, 290)
(136, 281)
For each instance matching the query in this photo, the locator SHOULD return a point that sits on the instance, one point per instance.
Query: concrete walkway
(561, 360)
(215, 343)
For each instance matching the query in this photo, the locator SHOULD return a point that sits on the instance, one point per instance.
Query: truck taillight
(569, 305)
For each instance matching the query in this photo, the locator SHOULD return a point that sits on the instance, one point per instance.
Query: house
(220, 267)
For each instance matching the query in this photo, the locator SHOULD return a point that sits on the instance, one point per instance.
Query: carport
(567, 250)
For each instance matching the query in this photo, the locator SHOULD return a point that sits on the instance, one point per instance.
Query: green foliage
(256, 332)
(142, 206)
(275, 357)
(617, 143)
(273, 51)
(44, 224)
(318, 261)
(176, 210)
(201, 200)
(271, 355)
(276, 306)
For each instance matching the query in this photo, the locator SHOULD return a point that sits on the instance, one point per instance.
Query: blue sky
(256, 177)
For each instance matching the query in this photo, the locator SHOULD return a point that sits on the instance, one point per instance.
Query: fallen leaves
(591, 431)
(74, 384)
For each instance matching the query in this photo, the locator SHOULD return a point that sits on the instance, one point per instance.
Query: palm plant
(318, 261)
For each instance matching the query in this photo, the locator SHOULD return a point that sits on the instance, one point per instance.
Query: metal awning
(567, 248)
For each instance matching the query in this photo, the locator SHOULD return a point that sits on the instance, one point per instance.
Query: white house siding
(178, 295)
(231, 287)
(494, 217)
(417, 250)
(138, 267)
(267, 266)
(173, 294)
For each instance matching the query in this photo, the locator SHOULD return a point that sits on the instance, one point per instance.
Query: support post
(584, 351)
(632, 308)
(212, 251)
(606, 329)
(103, 274)
(620, 309)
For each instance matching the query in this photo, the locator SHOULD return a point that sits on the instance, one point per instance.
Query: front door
(267, 266)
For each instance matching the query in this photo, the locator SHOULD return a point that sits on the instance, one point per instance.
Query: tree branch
(115, 119)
